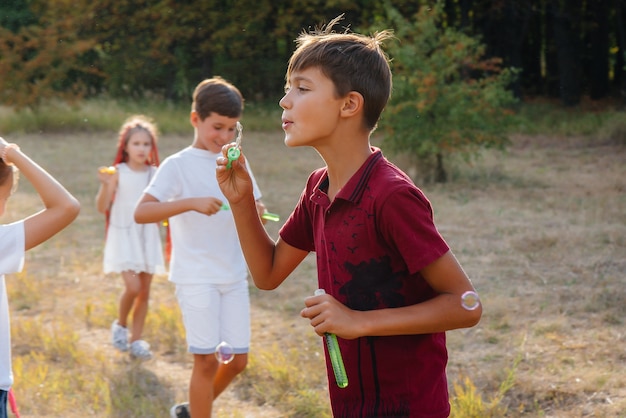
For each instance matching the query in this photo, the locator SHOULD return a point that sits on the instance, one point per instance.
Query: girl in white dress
(131, 249)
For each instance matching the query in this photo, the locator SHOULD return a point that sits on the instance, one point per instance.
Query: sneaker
(180, 411)
(140, 350)
(119, 336)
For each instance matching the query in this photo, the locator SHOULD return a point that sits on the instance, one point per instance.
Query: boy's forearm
(257, 246)
(155, 211)
(440, 314)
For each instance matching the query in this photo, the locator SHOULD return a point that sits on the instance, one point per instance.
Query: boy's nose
(283, 102)
(226, 137)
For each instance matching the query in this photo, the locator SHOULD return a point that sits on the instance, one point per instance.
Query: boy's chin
(291, 142)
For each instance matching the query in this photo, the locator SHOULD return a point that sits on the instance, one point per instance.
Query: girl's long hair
(132, 125)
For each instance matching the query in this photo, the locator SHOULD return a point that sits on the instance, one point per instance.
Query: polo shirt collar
(354, 188)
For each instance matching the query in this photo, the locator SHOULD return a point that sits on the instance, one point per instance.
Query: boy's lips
(286, 123)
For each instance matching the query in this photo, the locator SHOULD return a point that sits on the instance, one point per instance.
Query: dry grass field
(540, 229)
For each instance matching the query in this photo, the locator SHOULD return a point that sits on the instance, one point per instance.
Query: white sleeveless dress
(129, 245)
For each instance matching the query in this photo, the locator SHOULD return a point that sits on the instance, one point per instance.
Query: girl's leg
(227, 372)
(127, 299)
(140, 308)
(201, 385)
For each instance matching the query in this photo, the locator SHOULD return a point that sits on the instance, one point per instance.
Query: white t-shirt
(11, 261)
(205, 249)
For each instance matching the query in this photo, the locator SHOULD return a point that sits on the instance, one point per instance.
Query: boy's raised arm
(269, 262)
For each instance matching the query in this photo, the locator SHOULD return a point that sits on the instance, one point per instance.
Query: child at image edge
(393, 287)
(61, 208)
(207, 264)
(131, 249)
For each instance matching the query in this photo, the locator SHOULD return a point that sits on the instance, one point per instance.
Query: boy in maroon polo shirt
(393, 287)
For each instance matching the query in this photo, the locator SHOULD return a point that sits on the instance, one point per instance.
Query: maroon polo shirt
(371, 243)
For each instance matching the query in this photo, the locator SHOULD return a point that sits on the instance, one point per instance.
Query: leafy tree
(42, 61)
(15, 14)
(447, 97)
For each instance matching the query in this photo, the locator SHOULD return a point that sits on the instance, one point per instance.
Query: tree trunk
(532, 54)
(598, 21)
(567, 26)
(620, 62)
(551, 72)
(440, 172)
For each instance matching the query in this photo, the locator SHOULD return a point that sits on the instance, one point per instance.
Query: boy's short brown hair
(353, 62)
(219, 96)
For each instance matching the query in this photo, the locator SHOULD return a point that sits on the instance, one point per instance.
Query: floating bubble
(224, 352)
(470, 300)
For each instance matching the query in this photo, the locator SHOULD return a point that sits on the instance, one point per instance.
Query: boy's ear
(353, 104)
(194, 118)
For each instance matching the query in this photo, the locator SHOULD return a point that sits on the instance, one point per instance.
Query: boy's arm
(150, 209)
(442, 313)
(269, 262)
(61, 208)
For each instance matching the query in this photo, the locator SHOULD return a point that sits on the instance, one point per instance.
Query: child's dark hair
(353, 62)
(219, 96)
(8, 173)
(5, 171)
(132, 125)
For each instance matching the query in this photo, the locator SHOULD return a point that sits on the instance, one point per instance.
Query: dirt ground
(540, 229)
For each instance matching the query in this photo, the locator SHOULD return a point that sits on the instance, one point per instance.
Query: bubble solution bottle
(335, 354)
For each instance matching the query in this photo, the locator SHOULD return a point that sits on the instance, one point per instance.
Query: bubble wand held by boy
(335, 354)
(233, 154)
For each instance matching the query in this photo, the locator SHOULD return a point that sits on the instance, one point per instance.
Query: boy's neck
(342, 163)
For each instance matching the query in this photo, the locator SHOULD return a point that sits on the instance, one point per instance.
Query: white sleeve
(12, 247)
(164, 184)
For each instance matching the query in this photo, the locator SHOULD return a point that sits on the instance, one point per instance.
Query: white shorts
(213, 313)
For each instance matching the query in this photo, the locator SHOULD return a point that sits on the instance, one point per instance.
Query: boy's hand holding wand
(234, 179)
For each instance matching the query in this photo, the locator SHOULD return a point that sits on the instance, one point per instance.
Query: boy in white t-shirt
(61, 208)
(207, 265)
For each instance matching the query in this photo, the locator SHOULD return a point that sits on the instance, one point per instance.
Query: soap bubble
(470, 300)
(224, 352)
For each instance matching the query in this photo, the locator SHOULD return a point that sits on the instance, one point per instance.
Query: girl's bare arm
(108, 185)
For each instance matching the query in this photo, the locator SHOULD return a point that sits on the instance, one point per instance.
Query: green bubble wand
(341, 377)
(233, 153)
(274, 217)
